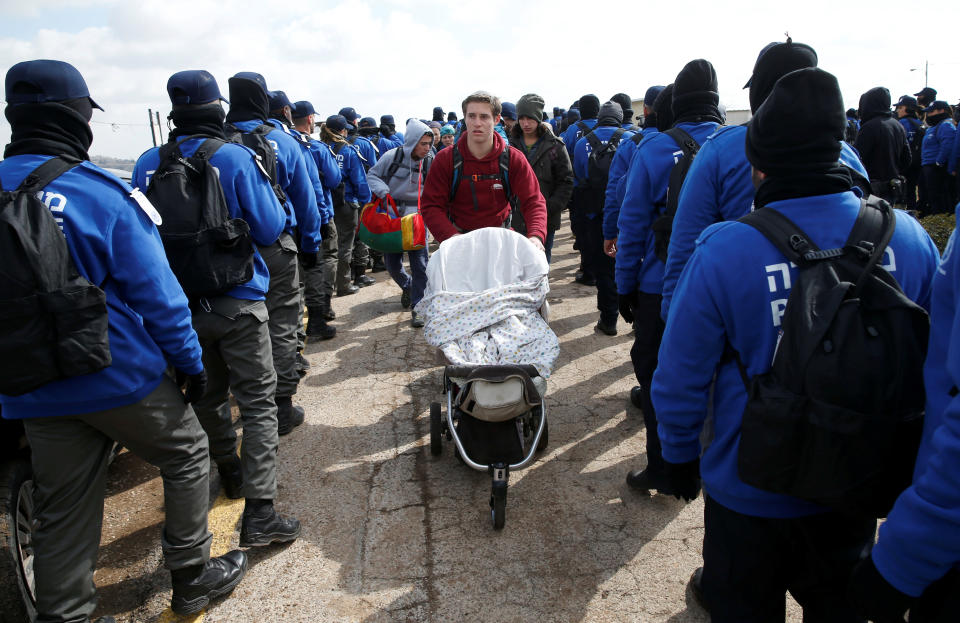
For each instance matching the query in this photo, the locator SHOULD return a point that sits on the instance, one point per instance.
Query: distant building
(734, 116)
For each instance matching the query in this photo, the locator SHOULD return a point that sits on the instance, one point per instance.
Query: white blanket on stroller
(484, 293)
(499, 325)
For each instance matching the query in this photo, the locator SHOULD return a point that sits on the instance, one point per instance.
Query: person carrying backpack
(247, 122)
(650, 184)
(729, 313)
(882, 145)
(592, 157)
(133, 323)
(935, 157)
(588, 109)
(906, 110)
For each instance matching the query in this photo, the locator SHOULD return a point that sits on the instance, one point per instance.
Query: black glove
(626, 307)
(327, 231)
(386, 130)
(874, 598)
(194, 386)
(309, 260)
(683, 479)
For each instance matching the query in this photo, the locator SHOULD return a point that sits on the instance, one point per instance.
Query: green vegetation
(939, 226)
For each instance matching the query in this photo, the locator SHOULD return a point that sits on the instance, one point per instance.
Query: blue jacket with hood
(937, 146)
(920, 541)
(637, 266)
(368, 153)
(353, 175)
(327, 169)
(615, 186)
(294, 178)
(573, 134)
(581, 157)
(248, 194)
(313, 173)
(114, 243)
(718, 187)
(733, 291)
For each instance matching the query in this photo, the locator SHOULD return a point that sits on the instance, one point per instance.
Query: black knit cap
(695, 92)
(774, 61)
(800, 125)
(610, 114)
(662, 107)
(589, 106)
(626, 105)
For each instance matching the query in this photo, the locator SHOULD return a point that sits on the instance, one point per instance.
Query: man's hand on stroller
(537, 243)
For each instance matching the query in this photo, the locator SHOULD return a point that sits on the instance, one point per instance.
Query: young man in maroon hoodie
(479, 198)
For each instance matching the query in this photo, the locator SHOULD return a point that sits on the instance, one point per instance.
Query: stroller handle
(465, 371)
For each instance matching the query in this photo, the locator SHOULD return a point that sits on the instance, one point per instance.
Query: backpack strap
(394, 165)
(595, 143)
(207, 148)
(457, 173)
(783, 233)
(637, 138)
(615, 139)
(871, 233)
(684, 141)
(43, 175)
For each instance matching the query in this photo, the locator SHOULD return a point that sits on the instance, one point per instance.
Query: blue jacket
(114, 243)
(294, 178)
(644, 198)
(920, 541)
(734, 290)
(324, 203)
(368, 153)
(581, 155)
(937, 146)
(327, 169)
(386, 144)
(248, 194)
(573, 134)
(355, 188)
(718, 187)
(910, 126)
(954, 165)
(615, 186)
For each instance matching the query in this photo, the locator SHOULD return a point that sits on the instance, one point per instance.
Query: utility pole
(153, 135)
(926, 73)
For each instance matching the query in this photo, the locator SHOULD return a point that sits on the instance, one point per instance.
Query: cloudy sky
(405, 57)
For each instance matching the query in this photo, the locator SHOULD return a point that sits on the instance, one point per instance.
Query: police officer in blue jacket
(368, 157)
(233, 327)
(730, 297)
(906, 111)
(639, 272)
(589, 109)
(718, 186)
(916, 561)
(249, 109)
(389, 137)
(318, 281)
(590, 207)
(72, 423)
(618, 169)
(935, 157)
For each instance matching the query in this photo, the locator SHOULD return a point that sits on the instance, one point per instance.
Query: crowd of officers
(173, 357)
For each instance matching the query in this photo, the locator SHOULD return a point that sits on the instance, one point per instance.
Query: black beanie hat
(438, 114)
(610, 114)
(589, 106)
(662, 107)
(800, 125)
(248, 100)
(774, 61)
(874, 103)
(626, 105)
(695, 92)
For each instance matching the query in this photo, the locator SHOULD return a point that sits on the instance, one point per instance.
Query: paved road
(394, 534)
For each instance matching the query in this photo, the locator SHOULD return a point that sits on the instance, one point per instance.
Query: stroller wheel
(436, 429)
(498, 505)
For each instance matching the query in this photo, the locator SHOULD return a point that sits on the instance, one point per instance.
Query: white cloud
(405, 57)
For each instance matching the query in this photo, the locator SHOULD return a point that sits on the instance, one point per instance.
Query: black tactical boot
(194, 587)
(263, 525)
(288, 415)
(361, 280)
(231, 477)
(317, 326)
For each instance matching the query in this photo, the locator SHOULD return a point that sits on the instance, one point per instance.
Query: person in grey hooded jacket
(401, 173)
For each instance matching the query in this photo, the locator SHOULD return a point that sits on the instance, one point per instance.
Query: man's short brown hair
(483, 97)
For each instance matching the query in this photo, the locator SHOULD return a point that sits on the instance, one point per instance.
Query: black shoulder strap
(263, 129)
(595, 143)
(584, 128)
(684, 141)
(207, 148)
(50, 170)
(783, 233)
(457, 172)
(394, 165)
(505, 173)
(636, 138)
(871, 232)
(615, 139)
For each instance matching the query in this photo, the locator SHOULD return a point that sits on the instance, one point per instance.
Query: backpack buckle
(798, 243)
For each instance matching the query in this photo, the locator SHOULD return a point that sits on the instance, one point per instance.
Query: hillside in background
(108, 162)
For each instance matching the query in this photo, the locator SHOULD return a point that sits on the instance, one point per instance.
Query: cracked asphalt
(391, 533)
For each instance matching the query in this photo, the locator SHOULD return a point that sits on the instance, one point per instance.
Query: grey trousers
(238, 360)
(318, 281)
(283, 305)
(345, 217)
(70, 456)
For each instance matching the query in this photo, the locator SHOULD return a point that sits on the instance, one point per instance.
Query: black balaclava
(589, 106)
(50, 129)
(248, 101)
(775, 61)
(203, 119)
(438, 114)
(610, 115)
(625, 105)
(794, 138)
(663, 109)
(695, 97)
(934, 119)
(875, 103)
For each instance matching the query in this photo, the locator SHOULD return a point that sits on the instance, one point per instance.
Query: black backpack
(663, 225)
(339, 193)
(208, 251)
(838, 418)
(594, 190)
(54, 320)
(256, 140)
(398, 160)
(916, 145)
